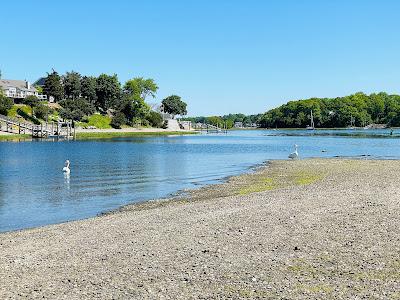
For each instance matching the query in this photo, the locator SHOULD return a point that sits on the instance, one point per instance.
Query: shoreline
(315, 228)
(128, 132)
(105, 133)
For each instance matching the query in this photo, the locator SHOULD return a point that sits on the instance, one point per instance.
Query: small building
(238, 125)
(19, 89)
(186, 125)
(251, 125)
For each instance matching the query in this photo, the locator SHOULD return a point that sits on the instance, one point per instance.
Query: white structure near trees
(19, 89)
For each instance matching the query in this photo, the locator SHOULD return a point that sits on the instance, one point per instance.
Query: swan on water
(66, 169)
(294, 154)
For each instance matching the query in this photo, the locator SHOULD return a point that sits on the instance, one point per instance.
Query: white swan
(66, 169)
(294, 154)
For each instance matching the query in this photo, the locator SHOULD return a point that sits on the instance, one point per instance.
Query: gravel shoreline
(307, 229)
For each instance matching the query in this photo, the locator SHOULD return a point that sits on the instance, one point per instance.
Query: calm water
(106, 174)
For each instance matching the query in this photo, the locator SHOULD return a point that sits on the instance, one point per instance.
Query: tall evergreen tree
(108, 92)
(72, 85)
(88, 88)
(53, 86)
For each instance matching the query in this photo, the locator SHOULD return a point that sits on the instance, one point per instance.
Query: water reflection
(67, 180)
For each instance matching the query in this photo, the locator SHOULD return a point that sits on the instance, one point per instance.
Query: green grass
(54, 116)
(108, 135)
(98, 121)
(13, 111)
(22, 111)
(14, 137)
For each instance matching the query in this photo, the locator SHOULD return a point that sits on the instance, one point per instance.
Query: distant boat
(311, 127)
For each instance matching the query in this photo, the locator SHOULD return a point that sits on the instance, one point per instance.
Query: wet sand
(308, 229)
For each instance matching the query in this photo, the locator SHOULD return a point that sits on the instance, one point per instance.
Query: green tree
(75, 109)
(118, 120)
(155, 119)
(336, 112)
(72, 85)
(42, 111)
(141, 88)
(88, 88)
(31, 101)
(133, 108)
(133, 104)
(39, 89)
(53, 87)
(174, 105)
(108, 92)
(5, 103)
(215, 120)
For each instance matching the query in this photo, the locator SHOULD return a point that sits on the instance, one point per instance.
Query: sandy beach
(307, 229)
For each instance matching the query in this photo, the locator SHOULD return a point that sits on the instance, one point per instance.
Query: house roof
(20, 84)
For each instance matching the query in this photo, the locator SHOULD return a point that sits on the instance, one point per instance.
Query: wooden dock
(208, 128)
(45, 130)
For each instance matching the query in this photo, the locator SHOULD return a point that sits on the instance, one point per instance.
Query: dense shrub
(5, 104)
(118, 120)
(27, 116)
(155, 119)
(42, 111)
(75, 109)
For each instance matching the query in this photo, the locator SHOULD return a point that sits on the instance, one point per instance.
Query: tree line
(358, 109)
(227, 121)
(81, 96)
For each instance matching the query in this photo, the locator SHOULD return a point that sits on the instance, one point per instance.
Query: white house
(238, 125)
(19, 89)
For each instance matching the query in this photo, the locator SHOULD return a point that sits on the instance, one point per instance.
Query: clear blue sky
(220, 56)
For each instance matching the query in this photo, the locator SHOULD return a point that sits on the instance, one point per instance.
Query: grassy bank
(97, 121)
(107, 135)
(14, 137)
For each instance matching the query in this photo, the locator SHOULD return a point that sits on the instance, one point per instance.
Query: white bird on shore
(294, 154)
(66, 169)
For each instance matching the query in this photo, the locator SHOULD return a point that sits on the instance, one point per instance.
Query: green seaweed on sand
(277, 179)
(260, 185)
(316, 289)
(306, 177)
